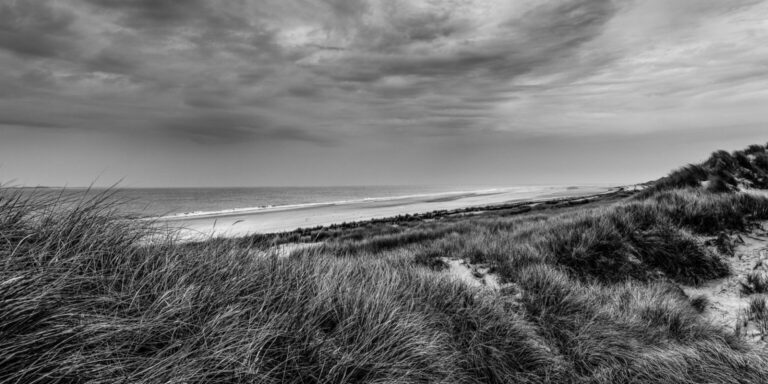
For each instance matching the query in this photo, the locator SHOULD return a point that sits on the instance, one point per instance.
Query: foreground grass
(589, 295)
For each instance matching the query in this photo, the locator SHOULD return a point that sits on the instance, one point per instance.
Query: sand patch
(754, 192)
(727, 303)
(477, 275)
(283, 251)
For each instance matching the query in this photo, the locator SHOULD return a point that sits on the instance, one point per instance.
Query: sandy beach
(282, 219)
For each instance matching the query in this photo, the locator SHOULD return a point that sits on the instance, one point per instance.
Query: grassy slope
(589, 296)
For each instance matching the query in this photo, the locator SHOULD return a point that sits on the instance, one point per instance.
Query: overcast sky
(343, 92)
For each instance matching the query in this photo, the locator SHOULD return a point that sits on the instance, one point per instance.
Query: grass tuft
(756, 282)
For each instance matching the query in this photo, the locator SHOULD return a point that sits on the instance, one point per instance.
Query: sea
(158, 202)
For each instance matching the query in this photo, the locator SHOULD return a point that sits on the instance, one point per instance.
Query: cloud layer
(330, 72)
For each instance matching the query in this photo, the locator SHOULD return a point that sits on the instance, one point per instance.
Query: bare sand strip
(472, 275)
(282, 219)
(727, 302)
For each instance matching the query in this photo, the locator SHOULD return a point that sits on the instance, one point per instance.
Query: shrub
(430, 258)
(761, 161)
(689, 176)
(724, 244)
(758, 312)
(756, 282)
(678, 255)
(717, 184)
(721, 161)
(742, 160)
(700, 303)
(755, 149)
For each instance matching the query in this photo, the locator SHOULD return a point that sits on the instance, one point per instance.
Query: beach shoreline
(240, 223)
(275, 208)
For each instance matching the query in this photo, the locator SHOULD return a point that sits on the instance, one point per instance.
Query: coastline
(249, 210)
(238, 223)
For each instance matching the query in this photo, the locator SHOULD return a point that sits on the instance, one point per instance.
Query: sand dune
(727, 301)
(280, 219)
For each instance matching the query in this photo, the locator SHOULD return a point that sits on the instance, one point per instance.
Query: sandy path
(727, 303)
(473, 275)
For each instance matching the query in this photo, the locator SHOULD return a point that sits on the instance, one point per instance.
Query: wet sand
(282, 219)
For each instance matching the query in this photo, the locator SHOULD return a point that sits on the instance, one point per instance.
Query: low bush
(756, 282)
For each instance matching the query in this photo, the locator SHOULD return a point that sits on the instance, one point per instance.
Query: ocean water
(153, 202)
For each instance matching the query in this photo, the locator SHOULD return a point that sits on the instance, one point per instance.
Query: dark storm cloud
(407, 57)
(565, 22)
(218, 127)
(208, 98)
(361, 56)
(143, 12)
(35, 28)
(297, 70)
(274, 87)
(28, 123)
(112, 61)
(225, 128)
(541, 35)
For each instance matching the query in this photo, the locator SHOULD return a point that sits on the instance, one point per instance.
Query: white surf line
(277, 208)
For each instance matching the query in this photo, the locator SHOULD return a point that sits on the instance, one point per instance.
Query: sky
(186, 93)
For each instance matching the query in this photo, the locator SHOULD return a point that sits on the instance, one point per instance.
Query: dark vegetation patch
(725, 243)
(756, 313)
(756, 282)
(723, 171)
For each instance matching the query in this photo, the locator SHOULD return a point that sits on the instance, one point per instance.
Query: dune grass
(589, 295)
(756, 282)
(757, 312)
(722, 172)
